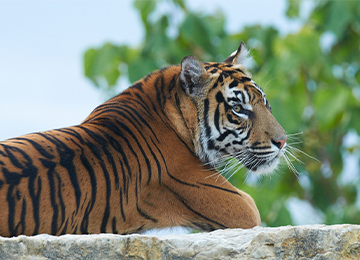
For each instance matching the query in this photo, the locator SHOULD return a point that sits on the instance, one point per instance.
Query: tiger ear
(191, 75)
(239, 56)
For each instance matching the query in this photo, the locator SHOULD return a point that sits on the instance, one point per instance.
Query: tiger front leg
(209, 204)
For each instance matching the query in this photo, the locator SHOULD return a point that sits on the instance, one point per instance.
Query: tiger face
(234, 117)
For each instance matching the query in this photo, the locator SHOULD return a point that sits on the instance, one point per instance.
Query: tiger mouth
(263, 165)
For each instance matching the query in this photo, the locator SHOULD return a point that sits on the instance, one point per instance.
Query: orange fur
(132, 165)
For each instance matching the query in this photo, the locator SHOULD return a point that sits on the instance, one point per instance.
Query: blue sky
(42, 85)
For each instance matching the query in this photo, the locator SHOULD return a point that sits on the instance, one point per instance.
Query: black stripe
(14, 159)
(210, 142)
(221, 78)
(113, 126)
(102, 142)
(178, 105)
(241, 142)
(108, 194)
(206, 118)
(50, 173)
(166, 123)
(220, 188)
(144, 214)
(233, 84)
(93, 186)
(183, 201)
(118, 147)
(244, 79)
(137, 86)
(225, 134)
(168, 173)
(181, 182)
(28, 170)
(114, 230)
(156, 161)
(159, 87)
(143, 104)
(35, 197)
(237, 92)
(122, 206)
(263, 153)
(62, 203)
(146, 78)
(22, 217)
(140, 229)
(38, 147)
(11, 206)
(219, 97)
(97, 153)
(73, 133)
(253, 146)
(234, 99)
(115, 144)
(67, 156)
(172, 83)
(141, 149)
(217, 118)
(95, 149)
(140, 117)
(111, 161)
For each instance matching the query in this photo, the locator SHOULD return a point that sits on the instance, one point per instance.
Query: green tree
(311, 78)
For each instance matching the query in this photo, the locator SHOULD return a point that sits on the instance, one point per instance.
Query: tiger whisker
(293, 156)
(302, 152)
(268, 82)
(291, 166)
(294, 143)
(294, 137)
(299, 133)
(212, 175)
(238, 169)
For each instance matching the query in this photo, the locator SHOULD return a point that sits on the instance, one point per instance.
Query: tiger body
(143, 159)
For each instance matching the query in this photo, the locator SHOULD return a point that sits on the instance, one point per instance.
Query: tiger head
(234, 117)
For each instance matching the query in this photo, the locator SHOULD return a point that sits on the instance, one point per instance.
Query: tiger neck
(181, 112)
(160, 102)
(166, 93)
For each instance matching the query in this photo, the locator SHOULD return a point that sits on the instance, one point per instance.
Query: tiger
(142, 159)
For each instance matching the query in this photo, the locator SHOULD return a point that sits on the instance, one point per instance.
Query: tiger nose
(280, 142)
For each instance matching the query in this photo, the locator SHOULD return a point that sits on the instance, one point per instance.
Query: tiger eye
(237, 108)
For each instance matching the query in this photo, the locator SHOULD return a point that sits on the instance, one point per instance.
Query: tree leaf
(140, 68)
(102, 65)
(329, 102)
(194, 31)
(339, 16)
(145, 8)
(293, 7)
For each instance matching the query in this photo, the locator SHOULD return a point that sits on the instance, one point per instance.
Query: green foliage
(312, 84)
(102, 65)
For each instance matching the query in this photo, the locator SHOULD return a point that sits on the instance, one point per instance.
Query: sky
(42, 82)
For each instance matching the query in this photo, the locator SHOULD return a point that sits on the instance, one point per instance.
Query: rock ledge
(301, 242)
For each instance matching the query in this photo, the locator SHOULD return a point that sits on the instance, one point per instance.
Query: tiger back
(146, 158)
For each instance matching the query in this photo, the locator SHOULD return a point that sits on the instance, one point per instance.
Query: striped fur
(140, 160)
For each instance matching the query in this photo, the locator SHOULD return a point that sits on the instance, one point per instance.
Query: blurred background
(61, 59)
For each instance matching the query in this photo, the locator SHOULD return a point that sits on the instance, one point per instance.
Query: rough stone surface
(301, 242)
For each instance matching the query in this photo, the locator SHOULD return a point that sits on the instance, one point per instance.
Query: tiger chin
(142, 159)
